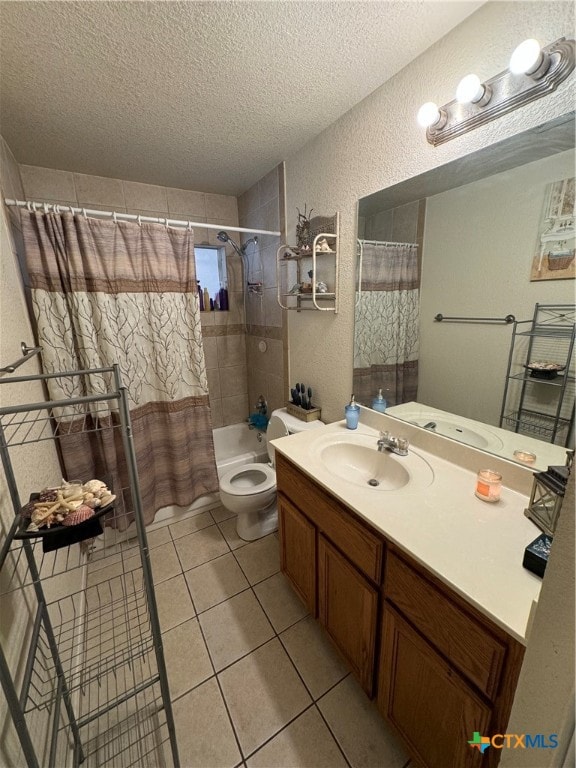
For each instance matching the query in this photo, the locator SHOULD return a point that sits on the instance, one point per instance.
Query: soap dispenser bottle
(379, 403)
(352, 413)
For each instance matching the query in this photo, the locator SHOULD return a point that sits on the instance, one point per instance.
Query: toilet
(250, 490)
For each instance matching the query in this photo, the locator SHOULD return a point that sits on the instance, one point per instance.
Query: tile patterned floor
(254, 680)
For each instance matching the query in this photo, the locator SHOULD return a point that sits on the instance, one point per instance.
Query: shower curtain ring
(84, 213)
(139, 220)
(114, 217)
(189, 227)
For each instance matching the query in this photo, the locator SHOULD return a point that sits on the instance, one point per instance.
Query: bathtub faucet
(261, 406)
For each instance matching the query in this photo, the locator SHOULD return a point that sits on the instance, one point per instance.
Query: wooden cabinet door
(347, 608)
(429, 704)
(298, 552)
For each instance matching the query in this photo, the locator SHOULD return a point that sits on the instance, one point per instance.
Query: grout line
(279, 731)
(327, 724)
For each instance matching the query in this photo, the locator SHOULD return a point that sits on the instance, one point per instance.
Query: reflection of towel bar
(27, 353)
(508, 319)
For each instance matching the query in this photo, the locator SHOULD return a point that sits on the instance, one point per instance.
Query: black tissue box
(536, 554)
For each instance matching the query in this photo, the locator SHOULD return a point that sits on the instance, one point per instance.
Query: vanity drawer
(361, 547)
(469, 646)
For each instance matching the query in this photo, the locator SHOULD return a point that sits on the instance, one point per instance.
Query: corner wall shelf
(293, 264)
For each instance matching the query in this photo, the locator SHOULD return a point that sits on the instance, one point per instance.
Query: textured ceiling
(198, 95)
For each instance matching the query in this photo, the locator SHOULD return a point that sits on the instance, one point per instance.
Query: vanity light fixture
(533, 73)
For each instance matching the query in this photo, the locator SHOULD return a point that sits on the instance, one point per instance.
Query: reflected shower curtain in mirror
(386, 328)
(106, 292)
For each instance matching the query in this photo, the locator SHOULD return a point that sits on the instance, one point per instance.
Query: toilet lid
(248, 480)
(276, 428)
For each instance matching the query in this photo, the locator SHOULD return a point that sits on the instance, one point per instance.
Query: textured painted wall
(34, 466)
(379, 143)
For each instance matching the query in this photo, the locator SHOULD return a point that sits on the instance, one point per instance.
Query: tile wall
(262, 207)
(224, 337)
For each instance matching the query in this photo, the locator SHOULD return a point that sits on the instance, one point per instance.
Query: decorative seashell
(94, 486)
(32, 527)
(107, 499)
(78, 516)
(75, 503)
(93, 503)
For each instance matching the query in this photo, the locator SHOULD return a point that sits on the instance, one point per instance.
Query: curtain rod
(57, 208)
(385, 242)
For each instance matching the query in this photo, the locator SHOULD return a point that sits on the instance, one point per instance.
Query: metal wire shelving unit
(538, 405)
(91, 686)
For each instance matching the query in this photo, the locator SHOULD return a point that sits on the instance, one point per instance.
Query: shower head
(224, 237)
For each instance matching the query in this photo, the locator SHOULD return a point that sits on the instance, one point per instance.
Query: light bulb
(428, 114)
(470, 90)
(526, 57)
(529, 59)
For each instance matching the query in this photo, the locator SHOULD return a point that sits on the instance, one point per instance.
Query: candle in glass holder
(526, 457)
(488, 485)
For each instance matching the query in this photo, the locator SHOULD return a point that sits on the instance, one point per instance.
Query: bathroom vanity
(431, 621)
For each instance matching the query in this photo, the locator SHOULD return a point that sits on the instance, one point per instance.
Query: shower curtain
(386, 324)
(106, 292)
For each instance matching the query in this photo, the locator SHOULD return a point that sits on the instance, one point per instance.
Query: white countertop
(475, 547)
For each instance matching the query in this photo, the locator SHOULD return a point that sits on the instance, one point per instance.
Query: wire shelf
(534, 423)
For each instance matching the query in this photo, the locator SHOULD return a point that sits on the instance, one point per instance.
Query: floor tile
(259, 559)
(263, 693)
(306, 743)
(205, 736)
(197, 548)
(164, 561)
(281, 604)
(215, 581)
(228, 529)
(186, 656)
(174, 603)
(221, 513)
(191, 525)
(234, 628)
(362, 734)
(313, 656)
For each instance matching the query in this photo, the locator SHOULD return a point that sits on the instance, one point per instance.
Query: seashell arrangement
(67, 504)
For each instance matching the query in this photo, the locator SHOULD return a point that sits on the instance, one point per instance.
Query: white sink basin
(355, 459)
(474, 436)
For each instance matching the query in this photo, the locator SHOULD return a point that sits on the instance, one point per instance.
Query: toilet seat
(249, 480)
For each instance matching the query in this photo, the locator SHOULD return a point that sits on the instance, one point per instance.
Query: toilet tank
(282, 423)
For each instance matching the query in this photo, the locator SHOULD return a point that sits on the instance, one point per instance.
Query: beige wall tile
(213, 384)
(216, 410)
(222, 208)
(248, 202)
(233, 380)
(272, 310)
(211, 352)
(231, 350)
(277, 392)
(186, 202)
(10, 178)
(268, 186)
(47, 183)
(254, 309)
(234, 409)
(98, 190)
(145, 197)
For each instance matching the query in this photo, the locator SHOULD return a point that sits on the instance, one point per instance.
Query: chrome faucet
(388, 442)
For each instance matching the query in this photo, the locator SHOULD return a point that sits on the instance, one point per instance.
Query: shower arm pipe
(58, 208)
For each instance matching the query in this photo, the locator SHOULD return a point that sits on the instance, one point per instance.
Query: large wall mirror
(462, 239)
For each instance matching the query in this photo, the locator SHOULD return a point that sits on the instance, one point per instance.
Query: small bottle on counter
(352, 413)
(206, 300)
(200, 296)
(379, 403)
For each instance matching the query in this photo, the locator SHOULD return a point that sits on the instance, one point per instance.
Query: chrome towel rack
(507, 320)
(27, 353)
